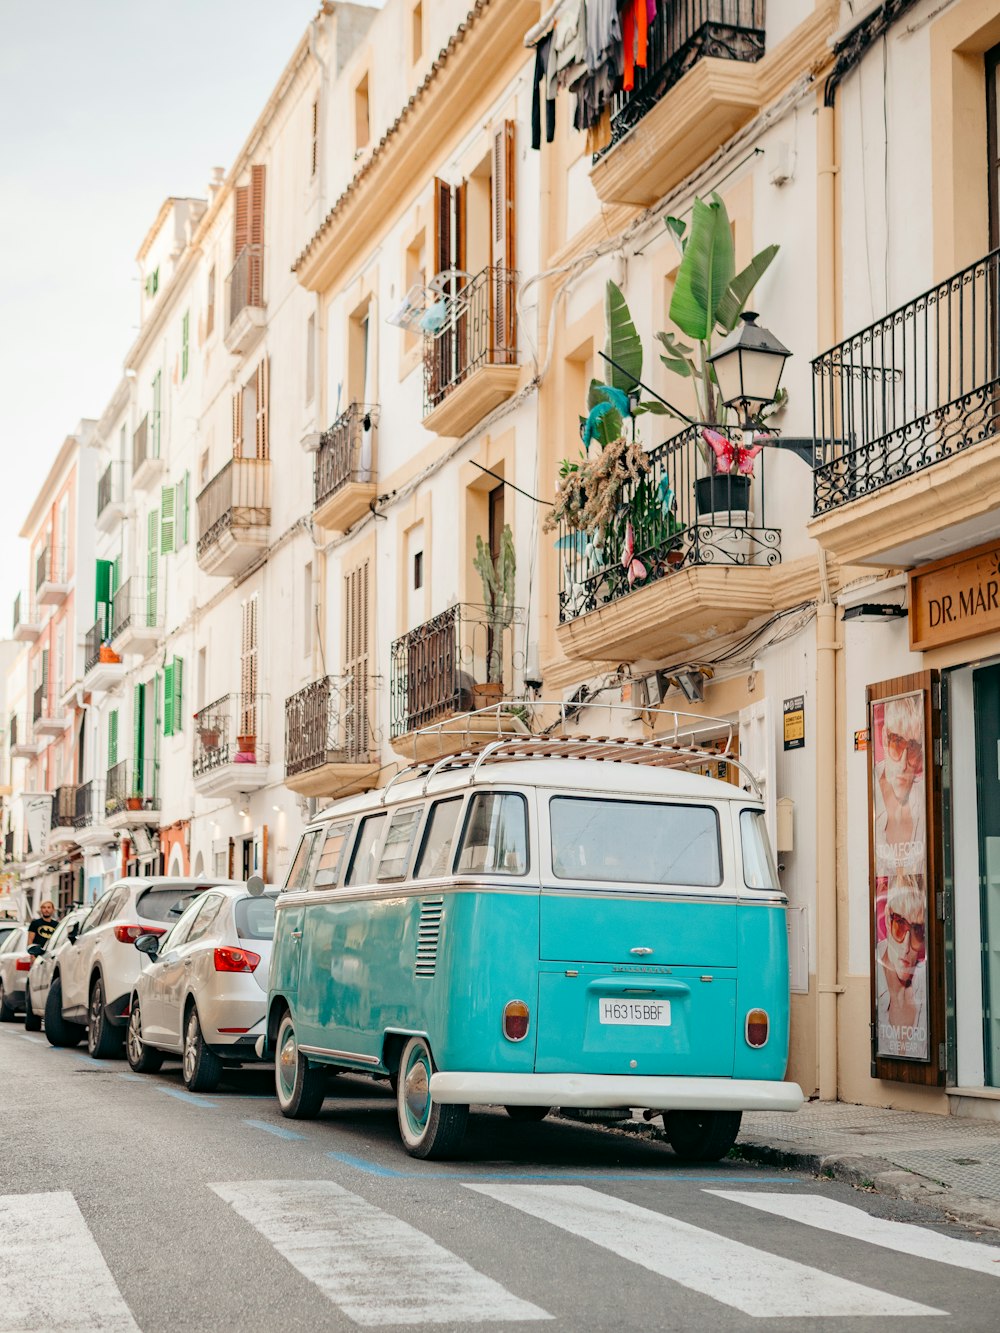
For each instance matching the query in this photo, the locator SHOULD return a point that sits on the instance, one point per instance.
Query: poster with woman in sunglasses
(899, 818)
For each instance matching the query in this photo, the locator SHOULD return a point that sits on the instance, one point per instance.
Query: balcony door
(986, 694)
(992, 59)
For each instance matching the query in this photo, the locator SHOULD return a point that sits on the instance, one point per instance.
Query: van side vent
(428, 932)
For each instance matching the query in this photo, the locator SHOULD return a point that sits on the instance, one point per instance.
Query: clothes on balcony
(635, 38)
(544, 73)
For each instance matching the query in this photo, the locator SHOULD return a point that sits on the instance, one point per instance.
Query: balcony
(330, 747)
(701, 566)
(136, 617)
(245, 300)
(230, 755)
(111, 496)
(102, 666)
(23, 745)
(699, 86)
(442, 672)
(51, 579)
(346, 467)
(147, 465)
(130, 794)
(234, 517)
(905, 416)
(48, 719)
(63, 828)
(470, 361)
(27, 622)
(89, 815)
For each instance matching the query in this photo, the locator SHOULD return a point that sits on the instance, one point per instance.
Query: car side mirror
(255, 886)
(149, 944)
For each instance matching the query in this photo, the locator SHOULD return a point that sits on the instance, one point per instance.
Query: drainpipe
(827, 645)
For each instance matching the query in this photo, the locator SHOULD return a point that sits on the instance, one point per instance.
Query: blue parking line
(133, 1078)
(187, 1097)
(371, 1168)
(374, 1169)
(39, 1041)
(277, 1130)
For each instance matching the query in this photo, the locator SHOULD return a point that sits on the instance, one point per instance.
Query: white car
(202, 991)
(15, 963)
(43, 969)
(92, 982)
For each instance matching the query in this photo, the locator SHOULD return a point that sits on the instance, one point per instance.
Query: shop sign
(794, 711)
(956, 598)
(861, 739)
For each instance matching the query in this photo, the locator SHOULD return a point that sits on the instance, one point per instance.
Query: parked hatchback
(201, 992)
(15, 963)
(93, 980)
(43, 969)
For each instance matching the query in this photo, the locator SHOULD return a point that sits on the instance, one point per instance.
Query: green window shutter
(178, 704)
(152, 781)
(168, 699)
(181, 521)
(152, 551)
(157, 383)
(185, 338)
(138, 704)
(167, 497)
(102, 596)
(116, 576)
(113, 738)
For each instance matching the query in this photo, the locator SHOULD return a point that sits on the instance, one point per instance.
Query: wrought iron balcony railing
(683, 32)
(457, 661)
(135, 605)
(17, 613)
(478, 327)
(64, 807)
(111, 486)
(245, 282)
(87, 807)
(92, 646)
(230, 731)
(131, 785)
(329, 722)
(238, 495)
(682, 514)
(141, 444)
(40, 702)
(347, 451)
(13, 729)
(9, 850)
(910, 390)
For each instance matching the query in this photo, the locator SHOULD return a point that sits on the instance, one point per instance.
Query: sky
(106, 108)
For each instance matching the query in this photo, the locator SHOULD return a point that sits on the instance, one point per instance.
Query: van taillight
(129, 934)
(235, 960)
(515, 1020)
(757, 1027)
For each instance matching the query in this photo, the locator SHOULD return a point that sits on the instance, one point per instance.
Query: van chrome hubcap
(288, 1059)
(416, 1092)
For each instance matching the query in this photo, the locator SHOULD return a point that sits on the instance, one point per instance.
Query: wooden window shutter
(241, 219)
(168, 699)
(138, 699)
(167, 498)
(231, 869)
(248, 668)
(255, 274)
(113, 738)
(443, 209)
(261, 394)
(502, 246)
(314, 158)
(356, 642)
(237, 423)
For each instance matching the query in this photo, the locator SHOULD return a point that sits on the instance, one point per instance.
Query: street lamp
(748, 366)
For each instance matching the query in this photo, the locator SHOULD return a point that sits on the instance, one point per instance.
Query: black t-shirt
(42, 930)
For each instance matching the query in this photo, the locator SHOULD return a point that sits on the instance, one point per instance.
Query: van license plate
(636, 1013)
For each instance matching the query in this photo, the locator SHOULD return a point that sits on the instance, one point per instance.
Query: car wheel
(103, 1041)
(527, 1114)
(702, 1136)
(142, 1059)
(6, 1012)
(427, 1128)
(300, 1087)
(201, 1068)
(59, 1031)
(32, 1021)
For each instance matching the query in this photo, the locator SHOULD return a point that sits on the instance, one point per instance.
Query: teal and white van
(544, 923)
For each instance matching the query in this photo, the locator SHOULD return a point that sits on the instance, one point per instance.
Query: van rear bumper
(599, 1091)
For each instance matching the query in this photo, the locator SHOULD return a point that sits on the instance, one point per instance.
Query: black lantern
(748, 366)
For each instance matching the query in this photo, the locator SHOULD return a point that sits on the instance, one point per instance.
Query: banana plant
(498, 596)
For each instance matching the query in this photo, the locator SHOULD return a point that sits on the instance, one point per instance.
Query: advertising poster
(897, 753)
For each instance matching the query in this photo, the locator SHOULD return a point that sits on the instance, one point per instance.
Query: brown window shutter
(255, 288)
(442, 225)
(262, 389)
(232, 858)
(503, 234)
(237, 423)
(241, 219)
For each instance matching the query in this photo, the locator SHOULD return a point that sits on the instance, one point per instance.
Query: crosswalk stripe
(758, 1283)
(377, 1268)
(814, 1210)
(53, 1277)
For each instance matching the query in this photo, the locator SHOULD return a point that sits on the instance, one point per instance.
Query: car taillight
(515, 1020)
(757, 1027)
(228, 959)
(23, 965)
(129, 934)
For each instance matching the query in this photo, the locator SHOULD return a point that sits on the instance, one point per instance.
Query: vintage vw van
(541, 924)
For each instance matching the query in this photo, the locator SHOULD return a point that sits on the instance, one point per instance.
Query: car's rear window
(627, 842)
(167, 904)
(255, 918)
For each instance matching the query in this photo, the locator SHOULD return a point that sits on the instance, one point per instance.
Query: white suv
(96, 976)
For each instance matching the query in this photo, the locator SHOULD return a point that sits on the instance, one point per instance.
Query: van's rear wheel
(427, 1128)
(300, 1087)
(702, 1136)
(527, 1114)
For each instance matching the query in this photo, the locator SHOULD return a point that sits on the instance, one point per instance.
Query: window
(173, 697)
(153, 282)
(167, 509)
(250, 415)
(439, 838)
(307, 608)
(166, 904)
(627, 842)
(310, 358)
(207, 913)
(185, 343)
(416, 32)
(362, 126)
(759, 870)
(255, 918)
(362, 869)
(332, 855)
(300, 874)
(248, 669)
(210, 303)
(314, 139)
(418, 570)
(496, 835)
(399, 843)
(97, 913)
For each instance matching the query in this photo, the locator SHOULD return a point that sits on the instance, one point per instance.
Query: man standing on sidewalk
(43, 927)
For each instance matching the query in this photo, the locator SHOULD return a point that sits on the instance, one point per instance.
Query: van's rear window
(635, 842)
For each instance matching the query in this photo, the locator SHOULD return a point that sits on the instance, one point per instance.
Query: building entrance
(986, 703)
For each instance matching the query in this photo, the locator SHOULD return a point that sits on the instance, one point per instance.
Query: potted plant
(498, 597)
(107, 653)
(134, 801)
(247, 746)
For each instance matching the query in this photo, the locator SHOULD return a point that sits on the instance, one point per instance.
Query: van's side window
(496, 835)
(439, 838)
(332, 854)
(362, 869)
(399, 843)
(300, 874)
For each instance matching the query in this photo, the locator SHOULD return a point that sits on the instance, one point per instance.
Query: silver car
(43, 970)
(202, 991)
(15, 963)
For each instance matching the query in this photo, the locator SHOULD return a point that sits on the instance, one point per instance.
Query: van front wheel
(427, 1128)
(702, 1136)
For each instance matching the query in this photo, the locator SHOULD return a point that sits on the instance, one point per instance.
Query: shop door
(986, 696)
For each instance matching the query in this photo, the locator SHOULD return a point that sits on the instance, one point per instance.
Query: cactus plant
(498, 596)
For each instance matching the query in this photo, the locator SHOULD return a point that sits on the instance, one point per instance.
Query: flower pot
(108, 654)
(246, 745)
(487, 694)
(133, 803)
(722, 493)
(209, 739)
(675, 558)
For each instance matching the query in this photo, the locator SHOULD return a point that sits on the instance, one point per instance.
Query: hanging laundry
(543, 53)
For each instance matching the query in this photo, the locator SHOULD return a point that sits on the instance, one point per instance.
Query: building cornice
(44, 497)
